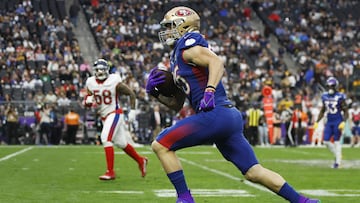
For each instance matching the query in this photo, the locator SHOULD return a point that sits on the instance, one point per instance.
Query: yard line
(15, 154)
(259, 187)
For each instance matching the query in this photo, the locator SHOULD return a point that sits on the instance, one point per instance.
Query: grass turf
(70, 174)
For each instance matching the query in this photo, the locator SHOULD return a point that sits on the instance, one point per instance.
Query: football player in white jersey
(104, 89)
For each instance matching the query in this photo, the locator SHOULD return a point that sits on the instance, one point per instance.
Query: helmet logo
(183, 12)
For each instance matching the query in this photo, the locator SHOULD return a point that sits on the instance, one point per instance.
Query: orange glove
(341, 125)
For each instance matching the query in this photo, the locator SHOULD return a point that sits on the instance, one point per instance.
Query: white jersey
(105, 94)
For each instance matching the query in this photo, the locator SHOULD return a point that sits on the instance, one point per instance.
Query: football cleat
(180, 200)
(107, 176)
(142, 166)
(336, 165)
(185, 198)
(304, 199)
(312, 201)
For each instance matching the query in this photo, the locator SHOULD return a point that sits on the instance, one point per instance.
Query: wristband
(211, 87)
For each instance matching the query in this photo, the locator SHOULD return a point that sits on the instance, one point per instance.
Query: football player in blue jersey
(335, 107)
(197, 72)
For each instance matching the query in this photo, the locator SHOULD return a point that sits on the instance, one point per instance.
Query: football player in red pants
(104, 89)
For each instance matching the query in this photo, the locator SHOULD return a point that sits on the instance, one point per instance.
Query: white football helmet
(101, 69)
(177, 22)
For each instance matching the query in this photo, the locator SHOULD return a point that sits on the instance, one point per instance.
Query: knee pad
(121, 145)
(107, 144)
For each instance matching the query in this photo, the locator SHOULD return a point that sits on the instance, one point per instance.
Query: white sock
(338, 149)
(331, 147)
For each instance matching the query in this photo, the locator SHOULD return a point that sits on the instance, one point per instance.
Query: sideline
(15, 154)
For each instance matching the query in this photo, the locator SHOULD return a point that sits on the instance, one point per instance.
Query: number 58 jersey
(104, 93)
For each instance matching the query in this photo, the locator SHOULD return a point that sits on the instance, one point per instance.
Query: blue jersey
(223, 125)
(190, 78)
(332, 104)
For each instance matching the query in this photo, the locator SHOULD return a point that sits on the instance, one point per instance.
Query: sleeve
(193, 39)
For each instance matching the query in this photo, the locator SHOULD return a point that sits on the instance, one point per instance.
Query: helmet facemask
(101, 69)
(332, 85)
(171, 34)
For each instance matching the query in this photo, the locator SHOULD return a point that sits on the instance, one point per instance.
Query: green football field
(70, 174)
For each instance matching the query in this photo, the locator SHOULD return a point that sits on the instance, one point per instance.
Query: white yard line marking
(123, 192)
(259, 187)
(333, 193)
(206, 193)
(15, 154)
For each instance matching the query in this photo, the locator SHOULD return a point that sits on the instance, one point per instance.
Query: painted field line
(206, 193)
(15, 154)
(259, 187)
(122, 192)
(333, 193)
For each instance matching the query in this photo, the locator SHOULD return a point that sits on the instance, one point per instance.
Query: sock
(129, 150)
(289, 193)
(330, 146)
(109, 154)
(177, 178)
(337, 147)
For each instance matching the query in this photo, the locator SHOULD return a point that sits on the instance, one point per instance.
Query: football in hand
(167, 88)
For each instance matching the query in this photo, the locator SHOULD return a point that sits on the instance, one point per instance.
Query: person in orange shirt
(72, 122)
(299, 125)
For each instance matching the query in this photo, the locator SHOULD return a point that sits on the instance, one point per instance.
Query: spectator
(253, 115)
(286, 116)
(12, 124)
(74, 12)
(72, 122)
(263, 131)
(50, 98)
(39, 96)
(56, 125)
(277, 140)
(156, 121)
(45, 126)
(299, 124)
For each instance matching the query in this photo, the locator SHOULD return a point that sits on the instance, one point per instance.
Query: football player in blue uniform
(337, 113)
(197, 72)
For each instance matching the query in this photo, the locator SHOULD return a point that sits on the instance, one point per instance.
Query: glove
(89, 100)
(207, 103)
(155, 78)
(132, 115)
(316, 124)
(341, 125)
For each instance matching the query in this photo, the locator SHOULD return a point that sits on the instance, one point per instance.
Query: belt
(117, 111)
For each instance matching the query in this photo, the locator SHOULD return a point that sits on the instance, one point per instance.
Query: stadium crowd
(42, 64)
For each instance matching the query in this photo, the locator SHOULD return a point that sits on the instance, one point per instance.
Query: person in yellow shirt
(285, 103)
(72, 122)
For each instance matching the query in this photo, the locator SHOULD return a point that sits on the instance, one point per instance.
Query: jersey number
(104, 97)
(331, 106)
(181, 82)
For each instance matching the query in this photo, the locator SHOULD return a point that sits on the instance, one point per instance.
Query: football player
(336, 110)
(104, 89)
(198, 72)
(354, 113)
